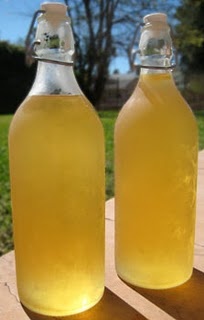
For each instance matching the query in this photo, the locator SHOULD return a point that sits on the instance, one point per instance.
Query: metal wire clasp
(134, 54)
(48, 60)
(27, 40)
(28, 46)
(172, 66)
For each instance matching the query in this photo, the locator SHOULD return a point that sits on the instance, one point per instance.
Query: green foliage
(190, 34)
(193, 90)
(16, 77)
(196, 83)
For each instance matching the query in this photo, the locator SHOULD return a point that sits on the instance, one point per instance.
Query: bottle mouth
(155, 17)
(53, 12)
(156, 20)
(54, 41)
(54, 8)
(155, 45)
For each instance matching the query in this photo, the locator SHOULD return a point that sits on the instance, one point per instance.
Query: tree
(190, 34)
(92, 27)
(130, 21)
(104, 29)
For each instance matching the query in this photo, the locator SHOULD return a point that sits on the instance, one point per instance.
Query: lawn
(200, 120)
(5, 208)
(108, 120)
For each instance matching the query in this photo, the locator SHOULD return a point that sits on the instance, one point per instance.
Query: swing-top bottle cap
(54, 7)
(54, 41)
(53, 12)
(155, 17)
(155, 44)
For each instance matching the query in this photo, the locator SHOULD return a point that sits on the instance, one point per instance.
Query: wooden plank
(199, 236)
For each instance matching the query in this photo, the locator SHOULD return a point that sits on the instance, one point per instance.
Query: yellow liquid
(57, 183)
(156, 168)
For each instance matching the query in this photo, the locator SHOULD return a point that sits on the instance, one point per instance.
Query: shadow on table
(111, 307)
(185, 302)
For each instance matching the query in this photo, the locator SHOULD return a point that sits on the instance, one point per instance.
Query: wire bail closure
(30, 49)
(64, 63)
(172, 66)
(134, 54)
(35, 15)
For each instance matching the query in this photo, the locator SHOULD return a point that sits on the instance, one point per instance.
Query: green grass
(5, 208)
(200, 121)
(108, 119)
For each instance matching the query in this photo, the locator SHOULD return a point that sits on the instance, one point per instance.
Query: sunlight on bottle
(85, 303)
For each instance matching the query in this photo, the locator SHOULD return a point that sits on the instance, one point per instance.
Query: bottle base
(155, 286)
(57, 313)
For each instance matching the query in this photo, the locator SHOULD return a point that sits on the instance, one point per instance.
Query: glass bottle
(155, 171)
(56, 147)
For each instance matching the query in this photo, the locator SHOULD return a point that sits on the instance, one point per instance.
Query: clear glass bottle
(56, 147)
(155, 171)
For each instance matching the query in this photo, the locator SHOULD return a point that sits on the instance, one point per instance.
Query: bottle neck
(54, 38)
(151, 71)
(55, 79)
(54, 50)
(155, 46)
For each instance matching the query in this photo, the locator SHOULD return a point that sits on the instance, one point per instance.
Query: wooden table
(121, 302)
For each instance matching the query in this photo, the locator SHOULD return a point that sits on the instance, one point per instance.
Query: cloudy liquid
(57, 183)
(156, 168)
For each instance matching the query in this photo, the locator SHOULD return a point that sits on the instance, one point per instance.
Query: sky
(15, 19)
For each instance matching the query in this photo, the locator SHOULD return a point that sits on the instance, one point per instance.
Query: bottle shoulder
(59, 110)
(155, 99)
(156, 93)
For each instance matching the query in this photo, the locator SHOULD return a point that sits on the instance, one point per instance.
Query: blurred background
(106, 33)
